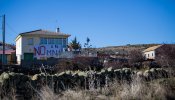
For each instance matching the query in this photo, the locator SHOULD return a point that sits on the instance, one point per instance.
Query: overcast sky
(105, 22)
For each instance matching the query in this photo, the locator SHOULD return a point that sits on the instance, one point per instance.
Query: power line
(12, 29)
(10, 33)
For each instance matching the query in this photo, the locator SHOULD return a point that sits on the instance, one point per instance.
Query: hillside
(124, 49)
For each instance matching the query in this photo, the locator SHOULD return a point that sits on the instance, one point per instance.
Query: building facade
(150, 53)
(10, 55)
(40, 44)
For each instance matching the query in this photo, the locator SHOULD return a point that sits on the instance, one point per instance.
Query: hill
(123, 49)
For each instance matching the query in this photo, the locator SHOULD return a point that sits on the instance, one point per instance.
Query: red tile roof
(7, 51)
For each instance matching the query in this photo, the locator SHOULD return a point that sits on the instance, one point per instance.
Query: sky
(105, 22)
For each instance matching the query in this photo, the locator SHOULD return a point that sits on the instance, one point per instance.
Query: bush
(136, 58)
(166, 55)
(84, 63)
(78, 63)
(63, 65)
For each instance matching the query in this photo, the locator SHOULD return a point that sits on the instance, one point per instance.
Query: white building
(40, 44)
(150, 53)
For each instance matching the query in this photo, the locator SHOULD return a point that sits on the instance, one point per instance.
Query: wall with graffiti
(49, 50)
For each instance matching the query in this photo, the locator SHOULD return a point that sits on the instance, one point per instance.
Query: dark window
(64, 42)
(43, 40)
(50, 41)
(58, 41)
(30, 41)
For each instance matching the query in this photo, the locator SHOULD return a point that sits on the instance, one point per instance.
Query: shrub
(166, 55)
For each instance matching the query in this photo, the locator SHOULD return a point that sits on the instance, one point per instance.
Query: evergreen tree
(75, 44)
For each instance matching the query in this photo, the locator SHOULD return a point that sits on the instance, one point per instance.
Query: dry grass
(136, 90)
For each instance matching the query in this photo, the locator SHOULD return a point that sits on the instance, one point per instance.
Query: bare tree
(135, 58)
(87, 45)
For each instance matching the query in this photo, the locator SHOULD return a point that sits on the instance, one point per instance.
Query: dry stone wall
(18, 85)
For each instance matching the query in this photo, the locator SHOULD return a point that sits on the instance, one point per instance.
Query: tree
(87, 45)
(75, 44)
(136, 58)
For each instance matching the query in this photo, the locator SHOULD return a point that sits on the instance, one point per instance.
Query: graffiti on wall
(47, 51)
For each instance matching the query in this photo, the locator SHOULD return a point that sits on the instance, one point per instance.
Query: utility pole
(3, 44)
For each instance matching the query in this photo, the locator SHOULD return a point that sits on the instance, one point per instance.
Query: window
(58, 41)
(148, 55)
(50, 41)
(43, 40)
(152, 54)
(30, 41)
(64, 42)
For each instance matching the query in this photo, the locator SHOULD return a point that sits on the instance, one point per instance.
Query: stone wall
(18, 85)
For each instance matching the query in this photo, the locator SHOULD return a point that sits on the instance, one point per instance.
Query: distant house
(151, 52)
(7, 46)
(40, 44)
(10, 56)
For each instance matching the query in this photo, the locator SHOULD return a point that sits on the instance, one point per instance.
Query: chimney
(58, 30)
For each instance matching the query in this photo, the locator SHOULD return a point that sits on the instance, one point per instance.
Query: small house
(150, 53)
(10, 56)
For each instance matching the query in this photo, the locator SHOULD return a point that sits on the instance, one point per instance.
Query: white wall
(149, 55)
(29, 48)
(19, 50)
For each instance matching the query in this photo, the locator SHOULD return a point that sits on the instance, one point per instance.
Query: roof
(11, 46)
(43, 32)
(152, 48)
(7, 51)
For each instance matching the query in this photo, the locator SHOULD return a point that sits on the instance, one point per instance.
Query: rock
(68, 72)
(147, 73)
(82, 74)
(139, 73)
(103, 71)
(35, 77)
(62, 73)
(152, 70)
(5, 75)
(109, 69)
(127, 70)
(12, 73)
